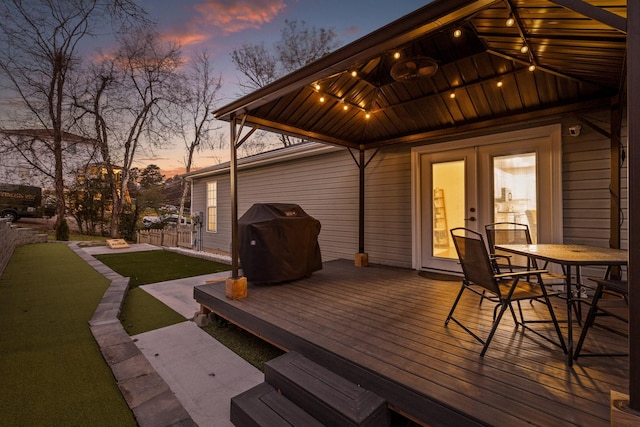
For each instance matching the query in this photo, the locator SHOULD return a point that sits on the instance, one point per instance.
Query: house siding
(326, 186)
(586, 180)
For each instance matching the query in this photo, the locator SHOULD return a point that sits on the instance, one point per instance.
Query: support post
(633, 168)
(362, 258)
(236, 287)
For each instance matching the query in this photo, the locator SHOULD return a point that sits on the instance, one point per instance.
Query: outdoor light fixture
(346, 106)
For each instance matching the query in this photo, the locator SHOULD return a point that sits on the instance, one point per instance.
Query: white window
(212, 206)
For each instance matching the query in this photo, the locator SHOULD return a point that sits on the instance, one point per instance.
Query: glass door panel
(449, 197)
(515, 190)
(448, 189)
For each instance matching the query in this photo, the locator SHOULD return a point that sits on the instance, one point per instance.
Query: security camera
(575, 130)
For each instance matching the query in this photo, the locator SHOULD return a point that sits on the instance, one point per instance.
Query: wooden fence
(171, 236)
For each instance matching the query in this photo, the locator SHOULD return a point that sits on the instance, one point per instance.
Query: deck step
(263, 406)
(325, 395)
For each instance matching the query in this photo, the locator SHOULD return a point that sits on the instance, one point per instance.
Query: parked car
(150, 220)
(20, 201)
(153, 221)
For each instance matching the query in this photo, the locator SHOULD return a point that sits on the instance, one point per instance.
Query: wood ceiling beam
(300, 133)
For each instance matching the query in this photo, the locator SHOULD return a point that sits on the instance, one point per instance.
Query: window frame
(212, 207)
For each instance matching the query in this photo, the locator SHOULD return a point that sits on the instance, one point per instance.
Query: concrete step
(326, 396)
(263, 406)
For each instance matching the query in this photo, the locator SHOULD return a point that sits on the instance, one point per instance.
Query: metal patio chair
(609, 299)
(513, 233)
(500, 288)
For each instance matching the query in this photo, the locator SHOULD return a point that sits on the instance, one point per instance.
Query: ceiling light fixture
(499, 84)
(457, 33)
(317, 87)
(524, 49)
(510, 21)
(322, 99)
(452, 95)
(532, 67)
(396, 55)
(354, 73)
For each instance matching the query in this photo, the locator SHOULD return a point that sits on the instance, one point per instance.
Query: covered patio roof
(451, 64)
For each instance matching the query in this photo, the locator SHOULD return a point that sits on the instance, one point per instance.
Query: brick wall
(11, 237)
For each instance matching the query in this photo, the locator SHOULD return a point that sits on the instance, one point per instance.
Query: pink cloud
(235, 16)
(185, 38)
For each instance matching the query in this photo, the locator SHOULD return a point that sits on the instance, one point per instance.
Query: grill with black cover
(278, 242)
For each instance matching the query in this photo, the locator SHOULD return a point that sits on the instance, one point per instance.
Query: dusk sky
(220, 26)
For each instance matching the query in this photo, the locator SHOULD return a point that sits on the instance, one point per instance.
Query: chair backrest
(508, 233)
(474, 259)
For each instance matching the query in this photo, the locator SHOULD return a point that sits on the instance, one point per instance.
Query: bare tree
(298, 46)
(196, 120)
(129, 97)
(257, 64)
(40, 40)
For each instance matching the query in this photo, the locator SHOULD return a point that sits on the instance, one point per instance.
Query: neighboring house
(26, 160)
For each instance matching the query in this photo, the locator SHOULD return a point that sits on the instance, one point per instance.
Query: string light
(510, 22)
(524, 49)
(499, 84)
(396, 55)
(367, 116)
(457, 33)
(532, 67)
(317, 87)
(452, 95)
(322, 99)
(354, 73)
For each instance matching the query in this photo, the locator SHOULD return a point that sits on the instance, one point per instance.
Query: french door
(517, 180)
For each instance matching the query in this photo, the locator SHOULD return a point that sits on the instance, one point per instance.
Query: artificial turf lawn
(158, 266)
(143, 313)
(51, 368)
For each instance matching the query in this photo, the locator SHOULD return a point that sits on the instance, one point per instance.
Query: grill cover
(278, 242)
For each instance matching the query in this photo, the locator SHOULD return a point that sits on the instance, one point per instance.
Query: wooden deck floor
(383, 328)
